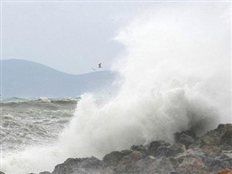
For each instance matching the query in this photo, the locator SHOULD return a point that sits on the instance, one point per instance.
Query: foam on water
(175, 75)
(26, 122)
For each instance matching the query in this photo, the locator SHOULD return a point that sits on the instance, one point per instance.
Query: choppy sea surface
(26, 122)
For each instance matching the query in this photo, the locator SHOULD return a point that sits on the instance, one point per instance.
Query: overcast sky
(72, 37)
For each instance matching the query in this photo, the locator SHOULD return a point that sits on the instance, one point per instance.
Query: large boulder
(192, 164)
(149, 165)
(219, 163)
(131, 158)
(186, 137)
(140, 148)
(128, 163)
(210, 153)
(175, 149)
(45, 172)
(113, 158)
(221, 136)
(163, 149)
(79, 166)
(158, 148)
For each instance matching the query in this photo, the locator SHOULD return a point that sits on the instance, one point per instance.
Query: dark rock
(191, 164)
(148, 165)
(227, 138)
(79, 165)
(210, 153)
(157, 166)
(175, 149)
(221, 136)
(1, 172)
(113, 158)
(165, 166)
(158, 148)
(126, 152)
(45, 172)
(218, 163)
(132, 157)
(174, 162)
(128, 163)
(163, 149)
(139, 148)
(186, 137)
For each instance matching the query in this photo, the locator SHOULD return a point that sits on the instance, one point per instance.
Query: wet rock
(163, 149)
(128, 163)
(164, 166)
(175, 149)
(45, 172)
(227, 138)
(158, 148)
(191, 164)
(139, 148)
(210, 153)
(174, 162)
(79, 165)
(186, 137)
(132, 157)
(113, 158)
(221, 136)
(220, 163)
(157, 166)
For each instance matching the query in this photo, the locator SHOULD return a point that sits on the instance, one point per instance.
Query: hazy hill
(22, 78)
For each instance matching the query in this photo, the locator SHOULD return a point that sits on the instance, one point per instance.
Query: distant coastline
(26, 79)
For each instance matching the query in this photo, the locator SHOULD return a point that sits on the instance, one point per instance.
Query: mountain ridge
(22, 78)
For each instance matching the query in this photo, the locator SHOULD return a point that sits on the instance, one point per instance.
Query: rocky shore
(208, 154)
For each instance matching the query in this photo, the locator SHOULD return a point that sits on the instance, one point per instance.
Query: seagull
(99, 66)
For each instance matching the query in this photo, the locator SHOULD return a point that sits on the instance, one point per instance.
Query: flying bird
(99, 66)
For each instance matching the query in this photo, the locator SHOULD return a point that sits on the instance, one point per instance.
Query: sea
(26, 122)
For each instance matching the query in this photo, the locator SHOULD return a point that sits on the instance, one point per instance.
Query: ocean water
(26, 122)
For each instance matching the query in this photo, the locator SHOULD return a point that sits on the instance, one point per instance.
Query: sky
(72, 37)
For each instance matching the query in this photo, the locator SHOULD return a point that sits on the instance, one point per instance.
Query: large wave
(175, 75)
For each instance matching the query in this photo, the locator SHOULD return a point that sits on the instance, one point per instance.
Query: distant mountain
(22, 78)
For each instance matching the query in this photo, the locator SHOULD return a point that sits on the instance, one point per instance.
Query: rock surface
(208, 154)
(80, 166)
(45, 172)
